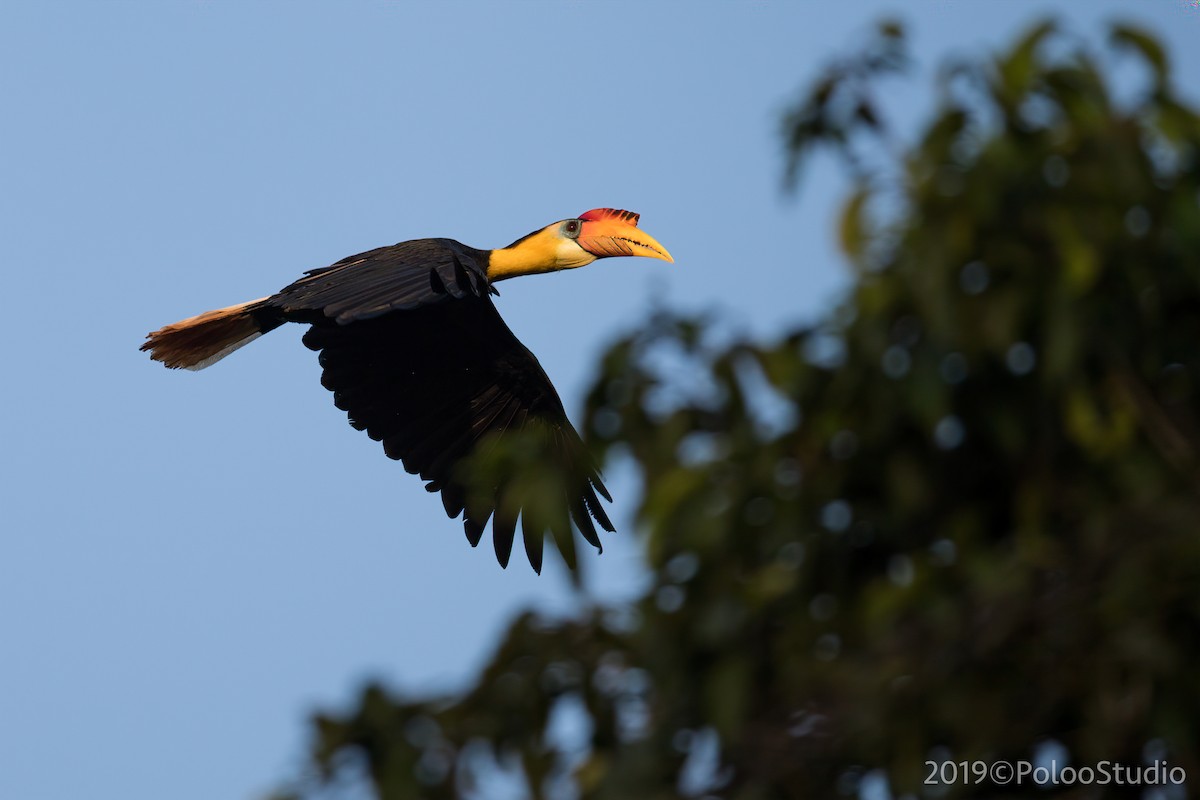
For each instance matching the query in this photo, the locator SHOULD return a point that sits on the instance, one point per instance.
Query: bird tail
(196, 342)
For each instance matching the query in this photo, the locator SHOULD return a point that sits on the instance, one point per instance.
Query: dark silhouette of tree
(959, 519)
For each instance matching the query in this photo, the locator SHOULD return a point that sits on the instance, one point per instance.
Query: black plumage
(417, 355)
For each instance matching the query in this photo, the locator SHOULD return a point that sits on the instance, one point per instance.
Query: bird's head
(576, 242)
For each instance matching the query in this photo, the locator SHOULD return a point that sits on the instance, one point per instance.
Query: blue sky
(190, 563)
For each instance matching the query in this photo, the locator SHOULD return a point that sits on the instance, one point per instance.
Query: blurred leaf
(727, 692)
(1145, 45)
(1018, 67)
(853, 235)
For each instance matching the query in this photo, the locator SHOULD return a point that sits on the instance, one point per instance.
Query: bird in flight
(417, 355)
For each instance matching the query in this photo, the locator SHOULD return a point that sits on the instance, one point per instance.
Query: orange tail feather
(197, 342)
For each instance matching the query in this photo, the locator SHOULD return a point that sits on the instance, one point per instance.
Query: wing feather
(534, 538)
(504, 527)
(403, 276)
(434, 380)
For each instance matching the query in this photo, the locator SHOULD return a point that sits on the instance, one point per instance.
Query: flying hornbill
(415, 352)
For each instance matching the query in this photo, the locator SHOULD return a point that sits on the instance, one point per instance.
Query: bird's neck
(509, 262)
(539, 252)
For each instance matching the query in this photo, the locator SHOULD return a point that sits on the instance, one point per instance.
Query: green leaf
(1017, 69)
(1131, 37)
(853, 229)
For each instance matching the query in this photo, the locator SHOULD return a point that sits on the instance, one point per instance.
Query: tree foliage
(957, 519)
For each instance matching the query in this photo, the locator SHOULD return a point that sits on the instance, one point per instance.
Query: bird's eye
(571, 228)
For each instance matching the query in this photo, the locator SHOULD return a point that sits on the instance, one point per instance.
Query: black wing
(400, 277)
(422, 361)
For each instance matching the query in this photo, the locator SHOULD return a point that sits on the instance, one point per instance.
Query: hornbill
(415, 352)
